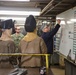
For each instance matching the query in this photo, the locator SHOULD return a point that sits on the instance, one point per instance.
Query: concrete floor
(57, 70)
(54, 70)
(31, 71)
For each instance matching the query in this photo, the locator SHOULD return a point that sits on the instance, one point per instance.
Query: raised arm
(54, 31)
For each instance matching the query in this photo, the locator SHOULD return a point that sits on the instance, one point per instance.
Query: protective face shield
(45, 27)
(7, 24)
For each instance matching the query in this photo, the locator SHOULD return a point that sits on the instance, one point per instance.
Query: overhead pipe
(52, 8)
(46, 7)
(57, 5)
(49, 5)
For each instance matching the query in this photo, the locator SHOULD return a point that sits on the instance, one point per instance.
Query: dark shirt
(48, 38)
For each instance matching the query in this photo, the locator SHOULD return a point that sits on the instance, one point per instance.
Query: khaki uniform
(6, 47)
(32, 44)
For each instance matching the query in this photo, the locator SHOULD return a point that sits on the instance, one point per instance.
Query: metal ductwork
(51, 4)
(55, 7)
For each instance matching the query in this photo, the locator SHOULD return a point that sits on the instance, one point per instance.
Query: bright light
(14, 18)
(14, 0)
(35, 13)
(59, 18)
(73, 20)
(62, 22)
(48, 22)
(44, 22)
(20, 0)
(69, 22)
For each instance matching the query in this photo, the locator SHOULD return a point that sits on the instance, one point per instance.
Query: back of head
(30, 24)
(6, 27)
(7, 24)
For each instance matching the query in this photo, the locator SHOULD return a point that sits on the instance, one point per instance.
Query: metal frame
(21, 54)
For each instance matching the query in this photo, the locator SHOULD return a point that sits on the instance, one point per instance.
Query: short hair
(17, 27)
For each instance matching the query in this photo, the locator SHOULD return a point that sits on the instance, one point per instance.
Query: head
(46, 28)
(6, 28)
(7, 25)
(30, 24)
(18, 29)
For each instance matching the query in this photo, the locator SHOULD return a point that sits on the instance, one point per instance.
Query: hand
(58, 21)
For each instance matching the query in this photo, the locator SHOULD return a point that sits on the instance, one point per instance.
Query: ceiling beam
(49, 5)
(52, 8)
(46, 7)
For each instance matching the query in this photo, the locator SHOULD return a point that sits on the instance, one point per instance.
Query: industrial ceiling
(48, 8)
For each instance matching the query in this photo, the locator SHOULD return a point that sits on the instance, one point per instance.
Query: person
(17, 38)
(7, 44)
(48, 35)
(32, 44)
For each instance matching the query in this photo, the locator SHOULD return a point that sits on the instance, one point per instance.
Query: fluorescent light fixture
(73, 20)
(62, 22)
(14, 18)
(59, 18)
(15, 0)
(44, 22)
(69, 22)
(5, 12)
(19, 9)
(48, 22)
(19, 0)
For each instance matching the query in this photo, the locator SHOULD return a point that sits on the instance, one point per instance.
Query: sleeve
(54, 31)
(43, 47)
